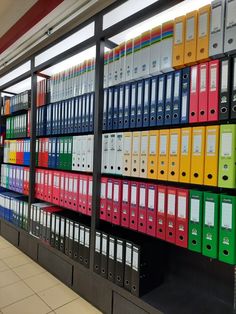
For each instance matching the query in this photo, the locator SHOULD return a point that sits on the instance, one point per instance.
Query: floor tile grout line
(2, 308)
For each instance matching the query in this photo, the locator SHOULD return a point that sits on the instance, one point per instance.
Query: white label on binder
(151, 199)
(168, 87)
(193, 79)
(153, 142)
(184, 106)
(226, 216)
(211, 144)
(184, 148)
(213, 72)
(142, 197)
(116, 193)
(125, 192)
(203, 79)
(128, 255)
(171, 204)
(190, 29)
(109, 190)
(104, 244)
(182, 207)
(178, 33)
(176, 88)
(133, 194)
(234, 85)
(163, 144)
(224, 76)
(135, 258)
(160, 91)
(195, 210)
(197, 144)
(119, 251)
(216, 19)
(127, 144)
(161, 202)
(153, 94)
(144, 144)
(86, 237)
(231, 16)
(135, 144)
(76, 232)
(209, 214)
(173, 144)
(111, 248)
(98, 242)
(226, 141)
(203, 24)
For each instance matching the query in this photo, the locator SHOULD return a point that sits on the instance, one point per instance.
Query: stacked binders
(65, 189)
(18, 126)
(66, 153)
(61, 230)
(74, 115)
(17, 152)
(16, 103)
(15, 178)
(134, 266)
(14, 208)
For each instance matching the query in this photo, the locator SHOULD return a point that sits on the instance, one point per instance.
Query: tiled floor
(27, 288)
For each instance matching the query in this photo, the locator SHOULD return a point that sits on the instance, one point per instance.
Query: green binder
(210, 225)
(195, 221)
(61, 153)
(67, 158)
(227, 236)
(227, 156)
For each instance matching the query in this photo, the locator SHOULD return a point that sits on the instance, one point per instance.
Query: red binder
(194, 87)
(85, 194)
(203, 91)
(142, 210)
(103, 199)
(45, 153)
(171, 214)
(109, 199)
(125, 208)
(62, 188)
(182, 218)
(134, 204)
(43, 184)
(151, 209)
(117, 199)
(50, 177)
(161, 212)
(66, 189)
(37, 183)
(75, 198)
(80, 197)
(26, 180)
(70, 193)
(90, 194)
(213, 101)
(56, 188)
(40, 152)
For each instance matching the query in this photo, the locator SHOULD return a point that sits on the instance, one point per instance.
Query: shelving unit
(192, 283)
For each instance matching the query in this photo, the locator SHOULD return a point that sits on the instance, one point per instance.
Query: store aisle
(27, 288)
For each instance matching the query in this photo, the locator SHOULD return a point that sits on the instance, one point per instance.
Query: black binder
(111, 258)
(86, 246)
(67, 234)
(52, 233)
(225, 79)
(233, 90)
(76, 242)
(128, 265)
(81, 244)
(104, 254)
(119, 263)
(97, 253)
(62, 234)
(71, 239)
(57, 232)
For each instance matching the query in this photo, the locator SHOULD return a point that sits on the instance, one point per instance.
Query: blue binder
(50, 152)
(57, 161)
(83, 121)
(185, 95)
(87, 110)
(49, 119)
(133, 105)
(105, 99)
(76, 112)
(110, 109)
(54, 152)
(146, 102)
(127, 107)
(161, 99)
(140, 94)
(177, 97)
(121, 106)
(169, 98)
(79, 114)
(153, 101)
(115, 108)
(91, 122)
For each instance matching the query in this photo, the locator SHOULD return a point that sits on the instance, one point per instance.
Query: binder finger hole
(234, 108)
(194, 242)
(226, 252)
(202, 112)
(103, 271)
(110, 274)
(183, 174)
(208, 247)
(196, 175)
(160, 230)
(96, 267)
(134, 288)
(209, 176)
(170, 234)
(225, 178)
(127, 282)
(162, 172)
(223, 109)
(118, 278)
(192, 113)
(172, 173)
(181, 238)
(212, 111)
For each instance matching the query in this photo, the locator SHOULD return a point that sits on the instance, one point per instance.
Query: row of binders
(43, 92)
(194, 37)
(14, 208)
(200, 221)
(61, 230)
(15, 178)
(16, 103)
(200, 93)
(132, 265)
(69, 190)
(74, 115)
(17, 152)
(66, 153)
(18, 126)
(75, 81)
(198, 155)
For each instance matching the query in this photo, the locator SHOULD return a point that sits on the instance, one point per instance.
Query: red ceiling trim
(35, 14)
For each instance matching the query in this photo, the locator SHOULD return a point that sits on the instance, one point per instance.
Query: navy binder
(169, 98)
(105, 99)
(153, 101)
(110, 108)
(127, 107)
(146, 102)
(140, 94)
(133, 105)
(161, 99)
(121, 107)
(115, 108)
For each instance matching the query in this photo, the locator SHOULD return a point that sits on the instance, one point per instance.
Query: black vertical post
(98, 113)
(33, 114)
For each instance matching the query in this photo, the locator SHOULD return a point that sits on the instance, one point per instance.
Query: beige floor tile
(77, 306)
(28, 270)
(15, 261)
(58, 296)
(9, 251)
(14, 293)
(42, 282)
(3, 266)
(5, 244)
(8, 277)
(31, 305)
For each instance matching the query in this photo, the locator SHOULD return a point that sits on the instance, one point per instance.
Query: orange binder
(179, 41)
(190, 54)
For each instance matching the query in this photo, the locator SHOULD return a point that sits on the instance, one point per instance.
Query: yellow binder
(153, 154)
(163, 154)
(144, 154)
(185, 155)
(203, 33)
(190, 53)
(135, 160)
(179, 39)
(174, 156)
(211, 155)
(127, 140)
(12, 154)
(198, 155)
